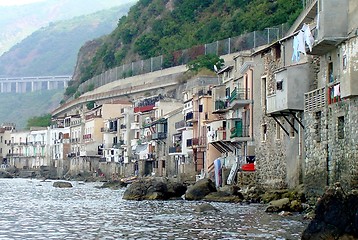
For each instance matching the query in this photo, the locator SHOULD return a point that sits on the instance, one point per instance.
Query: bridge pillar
(2, 87)
(17, 87)
(48, 85)
(32, 86)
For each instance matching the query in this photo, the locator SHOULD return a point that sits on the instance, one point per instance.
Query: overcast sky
(17, 2)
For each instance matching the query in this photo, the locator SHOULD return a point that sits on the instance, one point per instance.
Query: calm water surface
(32, 209)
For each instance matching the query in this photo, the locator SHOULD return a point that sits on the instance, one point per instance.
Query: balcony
(221, 106)
(196, 142)
(87, 136)
(217, 135)
(191, 117)
(291, 85)
(159, 136)
(146, 108)
(240, 98)
(151, 156)
(240, 133)
(175, 150)
(332, 26)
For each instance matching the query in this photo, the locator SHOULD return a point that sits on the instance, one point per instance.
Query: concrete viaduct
(31, 84)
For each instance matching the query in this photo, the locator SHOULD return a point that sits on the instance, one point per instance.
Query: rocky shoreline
(334, 215)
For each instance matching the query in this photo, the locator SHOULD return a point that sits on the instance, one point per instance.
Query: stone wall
(278, 157)
(332, 150)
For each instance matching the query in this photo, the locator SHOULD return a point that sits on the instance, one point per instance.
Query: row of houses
(289, 108)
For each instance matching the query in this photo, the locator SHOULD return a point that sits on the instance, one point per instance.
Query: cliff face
(85, 55)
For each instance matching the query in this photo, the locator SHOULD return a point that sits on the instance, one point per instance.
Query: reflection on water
(35, 210)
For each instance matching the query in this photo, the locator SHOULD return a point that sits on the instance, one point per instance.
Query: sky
(17, 2)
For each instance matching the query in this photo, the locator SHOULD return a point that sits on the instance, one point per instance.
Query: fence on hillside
(243, 42)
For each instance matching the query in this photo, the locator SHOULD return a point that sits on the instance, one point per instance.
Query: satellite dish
(215, 68)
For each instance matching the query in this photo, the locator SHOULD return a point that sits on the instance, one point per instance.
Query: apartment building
(30, 149)
(5, 139)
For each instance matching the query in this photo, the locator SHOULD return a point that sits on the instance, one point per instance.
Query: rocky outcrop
(336, 216)
(61, 184)
(154, 189)
(4, 174)
(225, 194)
(200, 189)
(114, 185)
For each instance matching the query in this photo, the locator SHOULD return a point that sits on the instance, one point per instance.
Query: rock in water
(4, 174)
(154, 189)
(200, 189)
(62, 184)
(205, 207)
(335, 216)
(278, 205)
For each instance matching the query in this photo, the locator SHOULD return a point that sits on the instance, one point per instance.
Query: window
(277, 52)
(330, 72)
(263, 93)
(279, 85)
(340, 127)
(264, 132)
(227, 93)
(278, 131)
(201, 108)
(344, 59)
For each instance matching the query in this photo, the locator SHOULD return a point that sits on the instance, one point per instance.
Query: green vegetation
(205, 61)
(39, 121)
(154, 27)
(90, 105)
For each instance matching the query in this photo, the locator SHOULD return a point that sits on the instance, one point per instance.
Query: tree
(90, 105)
(39, 121)
(205, 61)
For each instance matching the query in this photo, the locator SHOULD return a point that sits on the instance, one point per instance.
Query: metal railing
(181, 57)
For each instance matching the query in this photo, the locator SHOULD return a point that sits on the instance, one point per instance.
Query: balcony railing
(237, 132)
(159, 135)
(174, 149)
(240, 94)
(196, 142)
(183, 124)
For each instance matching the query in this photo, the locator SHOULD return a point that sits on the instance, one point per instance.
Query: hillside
(41, 52)
(26, 105)
(155, 27)
(18, 22)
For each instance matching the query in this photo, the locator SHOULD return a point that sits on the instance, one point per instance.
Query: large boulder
(200, 189)
(154, 189)
(5, 174)
(61, 184)
(278, 205)
(115, 184)
(336, 216)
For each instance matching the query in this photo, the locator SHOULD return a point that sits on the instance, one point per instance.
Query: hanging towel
(308, 36)
(301, 42)
(336, 90)
(296, 54)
